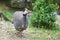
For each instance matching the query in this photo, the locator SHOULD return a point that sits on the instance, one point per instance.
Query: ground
(58, 19)
(8, 32)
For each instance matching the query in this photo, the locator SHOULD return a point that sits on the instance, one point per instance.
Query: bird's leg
(20, 33)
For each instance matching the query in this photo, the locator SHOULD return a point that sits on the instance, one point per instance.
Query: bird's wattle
(27, 11)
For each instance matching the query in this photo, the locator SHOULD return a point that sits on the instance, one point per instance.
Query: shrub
(44, 14)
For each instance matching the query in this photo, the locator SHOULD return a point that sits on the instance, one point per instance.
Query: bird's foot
(20, 34)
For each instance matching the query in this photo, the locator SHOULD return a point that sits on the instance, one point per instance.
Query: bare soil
(8, 32)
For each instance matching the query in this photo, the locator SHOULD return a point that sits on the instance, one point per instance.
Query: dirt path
(8, 32)
(4, 31)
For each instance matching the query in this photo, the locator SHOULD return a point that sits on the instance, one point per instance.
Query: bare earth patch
(8, 32)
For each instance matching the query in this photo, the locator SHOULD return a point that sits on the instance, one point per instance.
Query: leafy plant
(44, 14)
(8, 15)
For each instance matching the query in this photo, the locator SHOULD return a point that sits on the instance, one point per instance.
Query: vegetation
(44, 14)
(6, 14)
(18, 4)
(44, 34)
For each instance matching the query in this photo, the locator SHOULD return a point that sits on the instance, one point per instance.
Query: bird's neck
(24, 14)
(24, 19)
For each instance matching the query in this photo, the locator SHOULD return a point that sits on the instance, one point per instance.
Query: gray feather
(20, 21)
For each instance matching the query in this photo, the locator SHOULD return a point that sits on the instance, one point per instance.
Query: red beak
(28, 11)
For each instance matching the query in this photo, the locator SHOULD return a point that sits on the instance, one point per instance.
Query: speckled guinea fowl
(20, 20)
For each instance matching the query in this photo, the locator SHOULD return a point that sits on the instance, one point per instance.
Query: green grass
(8, 15)
(44, 34)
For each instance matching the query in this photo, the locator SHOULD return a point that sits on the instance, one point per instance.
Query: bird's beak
(29, 11)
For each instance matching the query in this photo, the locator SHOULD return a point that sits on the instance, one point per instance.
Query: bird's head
(27, 11)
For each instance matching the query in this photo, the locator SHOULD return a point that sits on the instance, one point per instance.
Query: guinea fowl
(20, 20)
